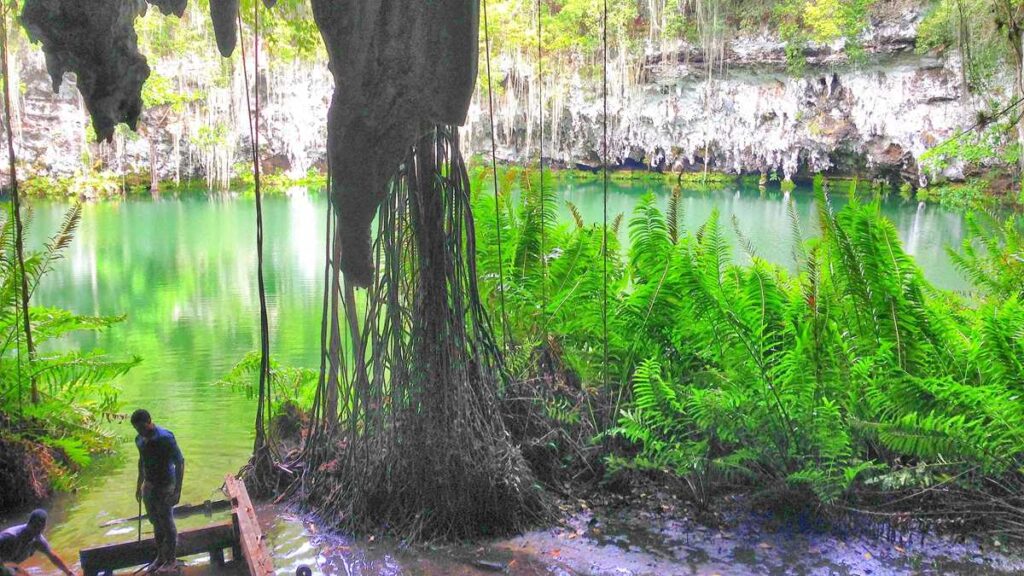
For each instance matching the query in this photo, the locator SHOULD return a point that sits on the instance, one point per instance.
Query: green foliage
(288, 30)
(290, 386)
(987, 37)
(559, 294)
(211, 137)
(159, 91)
(76, 391)
(572, 29)
(993, 144)
(971, 28)
(969, 195)
(163, 36)
(992, 256)
(73, 449)
(822, 22)
(853, 370)
(830, 20)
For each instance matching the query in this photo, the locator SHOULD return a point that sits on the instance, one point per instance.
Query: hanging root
(421, 450)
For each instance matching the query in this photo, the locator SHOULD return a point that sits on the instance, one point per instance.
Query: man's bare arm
(15, 568)
(58, 562)
(179, 470)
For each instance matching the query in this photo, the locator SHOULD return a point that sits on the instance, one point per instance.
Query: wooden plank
(114, 556)
(180, 511)
(250, 537)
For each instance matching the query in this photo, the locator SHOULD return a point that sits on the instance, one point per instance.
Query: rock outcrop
(874, 118)
(97, 42)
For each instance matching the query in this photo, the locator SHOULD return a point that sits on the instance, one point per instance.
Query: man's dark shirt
(160, 455)
(17, 544)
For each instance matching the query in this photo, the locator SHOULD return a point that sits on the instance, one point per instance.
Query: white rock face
(208, 139)
(876, 118)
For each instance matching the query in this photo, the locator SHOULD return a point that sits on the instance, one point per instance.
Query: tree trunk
(1017, 41)
(963, 44)
(1012, 17)
(422, 450)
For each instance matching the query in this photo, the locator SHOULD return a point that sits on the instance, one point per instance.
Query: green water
(183, 271)
(925, 229)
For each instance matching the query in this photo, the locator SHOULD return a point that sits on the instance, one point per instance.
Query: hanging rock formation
(96, 40)
(224, 14)
(399, 66)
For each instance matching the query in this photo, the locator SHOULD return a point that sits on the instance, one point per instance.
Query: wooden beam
(180, 511)
(209, 539)
(250, 537)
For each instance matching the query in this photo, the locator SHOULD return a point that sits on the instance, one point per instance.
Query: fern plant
(991, 255)
(551, 274)
(76, 390)
(289, 385)
(850, 368)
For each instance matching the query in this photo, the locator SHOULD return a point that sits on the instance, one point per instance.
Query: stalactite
(224, 14)
(96, 40)
(397, 65)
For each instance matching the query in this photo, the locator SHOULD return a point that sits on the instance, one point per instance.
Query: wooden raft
(242, 535)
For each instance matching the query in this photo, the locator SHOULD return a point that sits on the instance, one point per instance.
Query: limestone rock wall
(872, 118)
(875, 118)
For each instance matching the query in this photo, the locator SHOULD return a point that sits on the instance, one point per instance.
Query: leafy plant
(295, 386)
(992, 255)
(76, 391)
(846, 372)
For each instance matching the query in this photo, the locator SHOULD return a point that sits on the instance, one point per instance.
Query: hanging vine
(260, 473)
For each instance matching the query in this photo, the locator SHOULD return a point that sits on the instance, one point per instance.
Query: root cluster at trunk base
(406, 434)
(418, 447)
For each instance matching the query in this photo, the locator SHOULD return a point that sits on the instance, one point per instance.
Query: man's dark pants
(160, 509)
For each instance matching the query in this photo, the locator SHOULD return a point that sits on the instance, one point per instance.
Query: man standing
(19, 542)
(161, 472)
